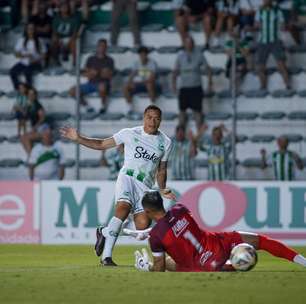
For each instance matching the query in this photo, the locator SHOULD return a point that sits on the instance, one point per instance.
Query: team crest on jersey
(161, 147)
(136, 140)
(179, 226)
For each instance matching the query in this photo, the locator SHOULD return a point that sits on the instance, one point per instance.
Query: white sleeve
(153, 67)
(257, 16)
(19, 46)
(34, 155)
(269, 159)
(167, 152)
(121, 136)
(62, 159)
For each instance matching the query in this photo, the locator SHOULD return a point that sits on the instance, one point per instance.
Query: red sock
(276, 248)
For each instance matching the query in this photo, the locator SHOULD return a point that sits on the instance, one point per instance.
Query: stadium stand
(262, 115)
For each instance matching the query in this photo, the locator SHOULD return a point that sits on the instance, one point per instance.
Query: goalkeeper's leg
(272, 246)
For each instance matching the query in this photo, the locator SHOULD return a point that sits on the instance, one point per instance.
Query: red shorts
(217, 250)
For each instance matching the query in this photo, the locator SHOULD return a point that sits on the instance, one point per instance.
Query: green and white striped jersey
(270, 20)
(218, 160)
(182, 164)
(114, 159)
(283, 165)
(46, 161)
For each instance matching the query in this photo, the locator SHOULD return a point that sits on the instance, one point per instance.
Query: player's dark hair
(102, 40)
(154, 108)
(153, 200)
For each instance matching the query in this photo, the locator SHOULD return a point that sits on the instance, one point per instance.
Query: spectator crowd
(241, 27)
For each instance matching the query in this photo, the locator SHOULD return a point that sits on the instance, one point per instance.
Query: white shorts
(129, 189)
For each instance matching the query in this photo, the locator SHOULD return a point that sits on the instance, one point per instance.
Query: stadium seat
(262, 138)
(58, 116)
(225, 94)
(218, 116)
(283, 93)
(155, 27)
(241, 138)
(252, 163)
(46, 94)
(13, 139)
(302, 93)
(10, 162)
(7, 116)
(293, 138)
(272, 115)
(111, 116)
(297, 115)
(169, 115)
(135, 116)
(2, 138)
(69, 163)
(89, 116)
(256, 93)
(247, 115)
(90, 163)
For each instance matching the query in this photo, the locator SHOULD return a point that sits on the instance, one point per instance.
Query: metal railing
(233, 82)
(78, 98)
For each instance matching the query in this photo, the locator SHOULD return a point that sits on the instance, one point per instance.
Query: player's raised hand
(167, 193)
(69, 133)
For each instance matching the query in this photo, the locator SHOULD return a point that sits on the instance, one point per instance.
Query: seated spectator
(142, 78)
(227, 12)
(20, 108)
(192, 11)
(30, 52)
(65, 28)
(269, 20)
(99, 69)
(182, 155)
(113, 159)
(43, 25)
(47, 160)
(36, 115)
(242, 54)
(74, 5)
(218, 152)
(284, 162)
(187, 76)
(248, 9)
(119, 7)
(299, 17)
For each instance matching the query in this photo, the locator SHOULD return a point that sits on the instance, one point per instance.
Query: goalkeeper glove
(142, 261)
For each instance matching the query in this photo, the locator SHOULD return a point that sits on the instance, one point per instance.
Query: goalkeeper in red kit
(191, 249)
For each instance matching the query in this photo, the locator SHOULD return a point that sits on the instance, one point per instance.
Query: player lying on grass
(192, 249)
(146, 152)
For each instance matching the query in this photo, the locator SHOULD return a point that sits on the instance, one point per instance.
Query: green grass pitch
(70, 274)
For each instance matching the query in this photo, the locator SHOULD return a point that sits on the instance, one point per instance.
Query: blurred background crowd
(185, 56)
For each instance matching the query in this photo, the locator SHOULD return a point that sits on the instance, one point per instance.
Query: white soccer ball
(243, 257)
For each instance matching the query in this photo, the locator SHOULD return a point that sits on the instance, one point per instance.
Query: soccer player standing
(192, 249)
(146, 151)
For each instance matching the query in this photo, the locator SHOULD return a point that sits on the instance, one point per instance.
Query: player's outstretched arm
(93, 143)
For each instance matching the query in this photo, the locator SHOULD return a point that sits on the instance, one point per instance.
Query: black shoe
(102, 111)
(108, 262)
(99, 246)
